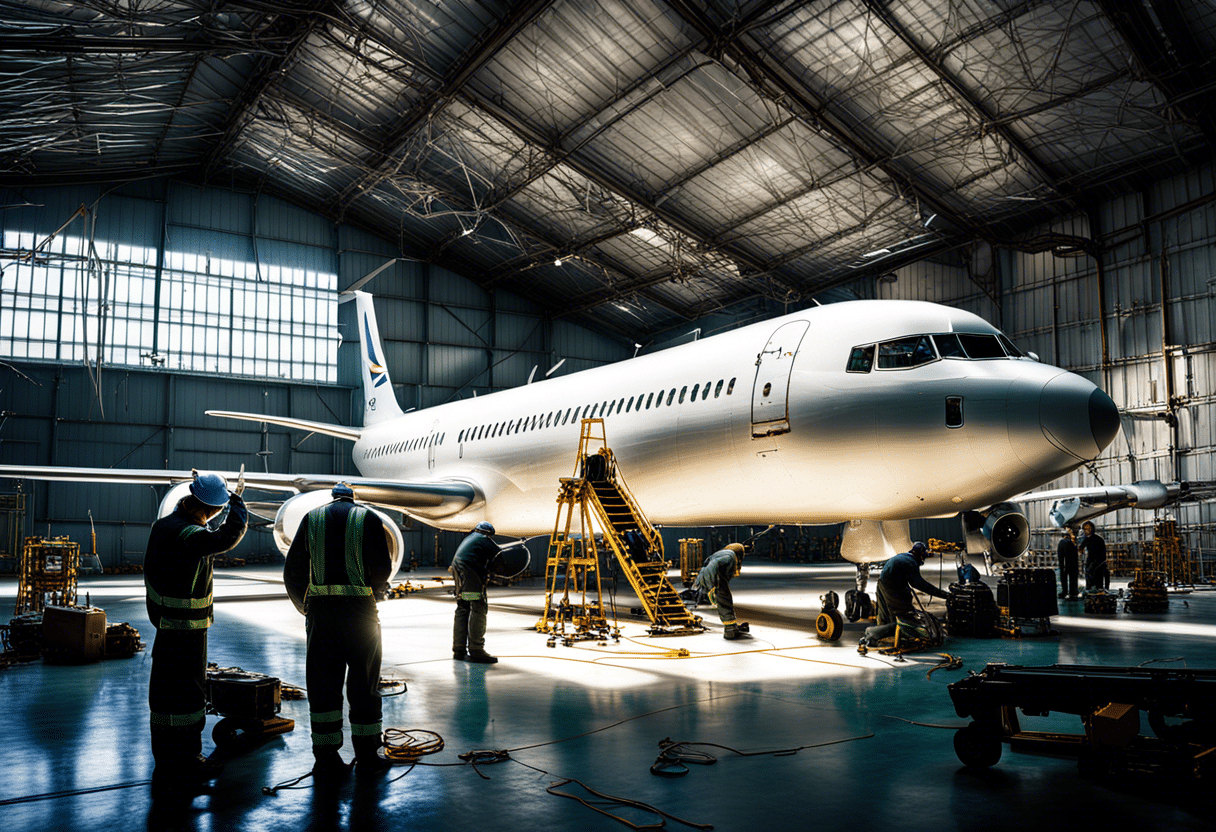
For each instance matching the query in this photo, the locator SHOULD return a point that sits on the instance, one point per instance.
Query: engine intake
(1002, 531)
(291, 514)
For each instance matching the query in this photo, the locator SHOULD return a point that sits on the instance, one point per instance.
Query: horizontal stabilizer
(340, 431)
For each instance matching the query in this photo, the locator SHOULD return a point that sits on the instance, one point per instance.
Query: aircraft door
(771, 392)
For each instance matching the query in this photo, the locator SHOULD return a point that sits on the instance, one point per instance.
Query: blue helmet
(342, 491)
(209, 489)
(484, 527)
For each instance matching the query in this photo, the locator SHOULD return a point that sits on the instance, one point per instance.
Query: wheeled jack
(249, 704)
(1109, 701)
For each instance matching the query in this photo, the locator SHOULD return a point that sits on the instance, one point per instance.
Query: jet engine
(1001, 531)
(172, 497)
(291, 514)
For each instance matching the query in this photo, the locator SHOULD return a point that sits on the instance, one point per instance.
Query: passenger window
(705, 392)
(954, 411)
(768, 388)
(695, 388)
(982, 346)
(671, 396)
(730, 387)
(718, 388)
(683, 390)
(649, 399)
(949, 347)
(629, 405)
(576, 412)
(903, 353)
(861, 360)
(620, 404)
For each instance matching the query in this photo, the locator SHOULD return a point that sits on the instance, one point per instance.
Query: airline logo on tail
(378, 372)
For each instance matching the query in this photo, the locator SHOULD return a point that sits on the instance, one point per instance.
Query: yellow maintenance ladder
(600, 499)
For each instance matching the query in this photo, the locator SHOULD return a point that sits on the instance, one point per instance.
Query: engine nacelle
(172, 497)
(291, 514)
(1001, 531)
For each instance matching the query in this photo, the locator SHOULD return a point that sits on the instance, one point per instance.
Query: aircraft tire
(829, 625)
(977, 747)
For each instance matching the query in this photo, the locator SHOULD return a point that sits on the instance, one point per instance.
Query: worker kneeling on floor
(337, 568)
(900, 575)
(713, 581)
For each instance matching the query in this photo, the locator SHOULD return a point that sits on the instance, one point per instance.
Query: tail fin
(379, 400)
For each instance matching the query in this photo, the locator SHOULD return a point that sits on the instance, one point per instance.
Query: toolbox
(73, 635)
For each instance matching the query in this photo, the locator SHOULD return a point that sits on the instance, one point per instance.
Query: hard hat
(484, 528)
(920, 549)
(209, 489)
(737, 548)
(342, 491)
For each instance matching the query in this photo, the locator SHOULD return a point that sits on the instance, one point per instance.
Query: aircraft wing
(1075, 505)
(422, 499)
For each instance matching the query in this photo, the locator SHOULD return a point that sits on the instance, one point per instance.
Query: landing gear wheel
(225, 731)
(829, 625)
(977, 747)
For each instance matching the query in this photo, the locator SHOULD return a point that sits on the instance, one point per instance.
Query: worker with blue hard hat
(337, 567)
(471, 566)
(178, 581)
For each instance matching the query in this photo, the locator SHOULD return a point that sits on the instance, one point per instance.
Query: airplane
(868, 413)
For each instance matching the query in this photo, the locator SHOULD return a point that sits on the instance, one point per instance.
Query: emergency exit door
(771, 393)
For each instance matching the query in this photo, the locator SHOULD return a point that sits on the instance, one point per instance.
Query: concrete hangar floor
(75, 752)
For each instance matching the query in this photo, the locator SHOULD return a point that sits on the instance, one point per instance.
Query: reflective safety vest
(193, 612)
(356, 584)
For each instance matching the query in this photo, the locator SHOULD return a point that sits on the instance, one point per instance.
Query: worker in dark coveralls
(714, 581)
(471, 566)
(337, 567)
(900, 575)
(1091, 544)
(1066, 553)
(178, 579)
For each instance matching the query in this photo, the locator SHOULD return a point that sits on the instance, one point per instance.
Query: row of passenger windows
(420, 442)
(915, 350)
(644, 401)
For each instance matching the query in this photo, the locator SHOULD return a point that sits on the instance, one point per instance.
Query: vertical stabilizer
(379, 401)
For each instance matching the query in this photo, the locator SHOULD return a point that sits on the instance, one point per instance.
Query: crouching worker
(714, 582)
(475, 558)
(900, 575)
(337, 567)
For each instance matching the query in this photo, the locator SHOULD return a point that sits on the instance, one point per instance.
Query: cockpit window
(949, 347)
(981, 346)
(906, 352)
(1013, 351)
(861, 360)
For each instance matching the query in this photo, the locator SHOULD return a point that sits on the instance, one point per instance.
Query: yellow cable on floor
(405, 745)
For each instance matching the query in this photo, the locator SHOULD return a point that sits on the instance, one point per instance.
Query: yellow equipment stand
(47, 574)
(597, 500)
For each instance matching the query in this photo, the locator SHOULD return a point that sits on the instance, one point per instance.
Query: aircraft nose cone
(1077, 417)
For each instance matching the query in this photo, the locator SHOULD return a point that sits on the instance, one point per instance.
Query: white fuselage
(797, 439)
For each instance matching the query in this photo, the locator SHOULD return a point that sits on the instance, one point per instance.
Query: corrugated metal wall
(1061, 307)
(445, 338)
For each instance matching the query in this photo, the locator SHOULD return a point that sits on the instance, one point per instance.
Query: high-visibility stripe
(471, 596)
(331, 738)
(357, 586)
(369, 729)
(326, 716)
(180, 603)
(185, 623)
(178, 720)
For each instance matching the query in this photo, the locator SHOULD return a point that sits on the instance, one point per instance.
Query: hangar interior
(546, 187)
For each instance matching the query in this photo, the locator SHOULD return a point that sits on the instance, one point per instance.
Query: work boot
(744, 627)
(371, 763)
(731, 632)
(458, 653)
(329, 765)
(482, 657)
